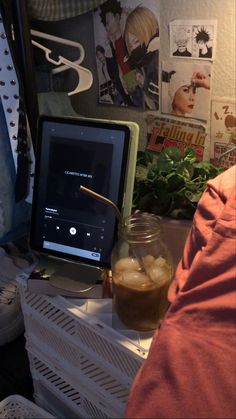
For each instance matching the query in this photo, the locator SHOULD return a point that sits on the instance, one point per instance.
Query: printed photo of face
(184, 100)
(186, 89)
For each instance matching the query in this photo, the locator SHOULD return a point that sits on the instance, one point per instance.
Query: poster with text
(193, 39)
(223, 132)
(126, 39)
(165, 132)
(186, 89)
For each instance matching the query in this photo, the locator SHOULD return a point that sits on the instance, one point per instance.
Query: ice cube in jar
(127, 264)
(160, 271)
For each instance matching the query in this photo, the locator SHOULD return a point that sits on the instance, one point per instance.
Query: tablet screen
(71, 152)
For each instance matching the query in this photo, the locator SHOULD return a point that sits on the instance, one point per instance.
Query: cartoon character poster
(126, 37)
(223, 132)
(193, 39)
(186, 89)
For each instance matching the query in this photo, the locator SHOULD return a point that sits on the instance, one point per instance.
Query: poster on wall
(223, 132)
(165, 132)
(186, 89)
(193, 39)
(126, 39)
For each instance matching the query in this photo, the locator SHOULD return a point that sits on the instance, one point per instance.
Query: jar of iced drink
(142, 270)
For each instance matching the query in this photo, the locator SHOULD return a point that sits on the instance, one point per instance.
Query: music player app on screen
(65, 221)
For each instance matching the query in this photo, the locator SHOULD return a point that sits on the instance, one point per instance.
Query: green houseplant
(171, 183)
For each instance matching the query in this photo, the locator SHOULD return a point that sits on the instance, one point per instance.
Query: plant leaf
(185, 169)
(144, 157)
(141, 173)
(171, 184)
(189, 155)
(172, 153)
(193, 197)
(175, 182)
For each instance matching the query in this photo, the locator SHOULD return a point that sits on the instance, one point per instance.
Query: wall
(224, 66)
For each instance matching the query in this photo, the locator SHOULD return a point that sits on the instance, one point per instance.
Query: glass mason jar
(142, 270)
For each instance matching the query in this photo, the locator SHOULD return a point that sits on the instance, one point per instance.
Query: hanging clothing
(14, 217)
(14, 149)
(59, 9)
(11, 94)
(9, 91)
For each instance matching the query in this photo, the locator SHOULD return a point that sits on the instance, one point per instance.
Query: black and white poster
(193, 39)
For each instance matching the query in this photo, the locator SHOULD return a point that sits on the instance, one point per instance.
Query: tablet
(67, 223)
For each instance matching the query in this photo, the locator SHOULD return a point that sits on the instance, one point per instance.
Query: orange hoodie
(191, 367)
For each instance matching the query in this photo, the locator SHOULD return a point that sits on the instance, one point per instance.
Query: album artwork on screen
(66, 222)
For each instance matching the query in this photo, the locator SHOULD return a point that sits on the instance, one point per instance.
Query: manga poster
(186, 89)
(165, 132)
(126, 39)
(223, 132)
(193, 39)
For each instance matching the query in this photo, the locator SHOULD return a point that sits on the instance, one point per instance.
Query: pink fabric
(191, 368)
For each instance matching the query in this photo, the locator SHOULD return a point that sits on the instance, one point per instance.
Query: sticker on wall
(165, 132)
(126, 38)
(186, 89)
(193, 39)
(223, 132)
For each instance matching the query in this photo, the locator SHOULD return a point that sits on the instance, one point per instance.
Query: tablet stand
(75, 277)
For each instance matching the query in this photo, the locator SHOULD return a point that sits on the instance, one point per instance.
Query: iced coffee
(140, 290)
